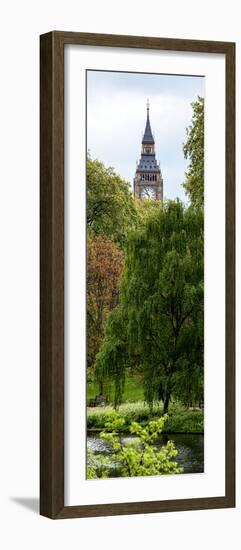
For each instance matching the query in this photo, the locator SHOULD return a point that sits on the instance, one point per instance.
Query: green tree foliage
(111, 209)
(194, 152)
(112, 213)
(113, 359)
(158, 324)
(105, 262)
(136, 458)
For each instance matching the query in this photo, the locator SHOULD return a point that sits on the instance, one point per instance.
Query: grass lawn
(133, 390)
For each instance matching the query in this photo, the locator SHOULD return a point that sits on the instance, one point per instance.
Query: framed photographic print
(137, 387)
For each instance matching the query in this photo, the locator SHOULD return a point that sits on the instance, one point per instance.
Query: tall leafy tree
(104, 267)
(158, 325)
(111, 209)
(194, 152)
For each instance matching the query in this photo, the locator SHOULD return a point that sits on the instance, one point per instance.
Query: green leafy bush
(185, 422)
(139, 412)
(136, 458)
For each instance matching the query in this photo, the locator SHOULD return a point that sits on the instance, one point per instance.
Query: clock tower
(148, 182)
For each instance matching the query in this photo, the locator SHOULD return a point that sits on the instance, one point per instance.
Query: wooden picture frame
(52, 274)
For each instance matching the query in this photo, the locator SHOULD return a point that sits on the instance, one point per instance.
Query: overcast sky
(116, 118)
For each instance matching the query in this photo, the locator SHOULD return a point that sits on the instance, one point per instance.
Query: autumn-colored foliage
(105, 262)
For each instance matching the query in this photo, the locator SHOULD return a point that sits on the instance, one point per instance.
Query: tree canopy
(111, 209)
(194, 151)
(104, 267)
(157, 327)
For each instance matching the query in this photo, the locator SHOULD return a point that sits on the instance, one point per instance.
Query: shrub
(138, 411)
(185, 422)
(136, 458)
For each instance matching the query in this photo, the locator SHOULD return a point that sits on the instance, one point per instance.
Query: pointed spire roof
(148, 137)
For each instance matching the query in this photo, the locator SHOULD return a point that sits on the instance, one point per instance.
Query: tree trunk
(164, 395)
(166, 399)
(160, 392)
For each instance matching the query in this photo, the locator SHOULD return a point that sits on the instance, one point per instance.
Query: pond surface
(190, 449)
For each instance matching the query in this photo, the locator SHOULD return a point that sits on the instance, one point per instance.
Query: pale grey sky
(116, 117)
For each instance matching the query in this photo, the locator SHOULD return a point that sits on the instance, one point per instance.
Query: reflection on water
(190, 448)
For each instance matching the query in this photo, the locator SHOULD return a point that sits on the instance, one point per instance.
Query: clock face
(148, 192)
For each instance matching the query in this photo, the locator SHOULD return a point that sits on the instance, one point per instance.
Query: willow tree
(158, 325)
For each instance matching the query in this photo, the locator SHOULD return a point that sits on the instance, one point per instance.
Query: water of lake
(190, 449)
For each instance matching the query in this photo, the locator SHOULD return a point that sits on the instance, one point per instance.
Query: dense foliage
(194, 152)
(104, 267)
(139, 457)
(112, 213)
(157, 327)
(111, 209)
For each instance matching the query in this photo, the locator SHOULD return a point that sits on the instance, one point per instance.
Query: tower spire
(148, 137)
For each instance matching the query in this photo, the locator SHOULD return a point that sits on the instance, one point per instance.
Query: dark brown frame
(52, 274)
